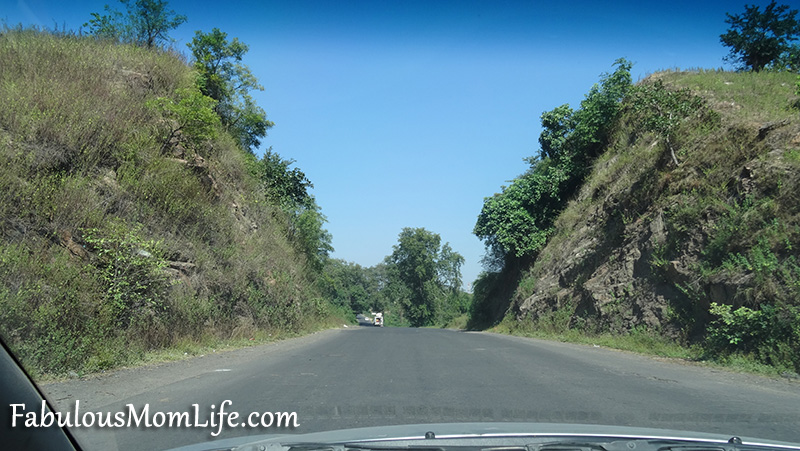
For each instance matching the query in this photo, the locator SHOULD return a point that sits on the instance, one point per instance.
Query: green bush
(770, 335)
(94, 206)
(518, 221)
(131, 269)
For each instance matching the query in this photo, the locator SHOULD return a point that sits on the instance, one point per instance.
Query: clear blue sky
(409, 113)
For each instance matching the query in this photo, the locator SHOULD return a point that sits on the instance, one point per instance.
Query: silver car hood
(486, 435)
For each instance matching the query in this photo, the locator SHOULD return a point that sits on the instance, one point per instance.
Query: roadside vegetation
(137, 221)
(140, 220)
(662, 217)
(135, 215)
(418, 285)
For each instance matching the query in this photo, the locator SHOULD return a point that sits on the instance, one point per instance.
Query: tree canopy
(516, 222)
(428, 272)
(224, 78)
(760, 39)
(145, 22)
(288, 189)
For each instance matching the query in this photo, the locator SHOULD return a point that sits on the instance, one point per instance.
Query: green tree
(758, 39)
(191, 118)
(450, 263)
(515, 223)
(224, 78)
(353, 286)
(557, 124)
(285, 186)
(152, 21)
(288, 189)
(418, 263)
(307, 232)
(146, 23)
(111, 25)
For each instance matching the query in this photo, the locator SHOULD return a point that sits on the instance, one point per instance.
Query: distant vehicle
(378, 321)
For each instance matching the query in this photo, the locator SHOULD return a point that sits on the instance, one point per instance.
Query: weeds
(729, 208)
(112, 249)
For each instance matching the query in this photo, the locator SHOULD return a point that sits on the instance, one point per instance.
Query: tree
(224, 78)
(758, 39)
(191, 118)
(349, 285)
(147, 23)
(419, 264)
(450, 263)
(151, 21)
(515, 223)
(556, 126)
(108, 26)
(287, 188)
(307, 233)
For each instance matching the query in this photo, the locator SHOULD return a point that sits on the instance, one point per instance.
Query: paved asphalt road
(365, 376)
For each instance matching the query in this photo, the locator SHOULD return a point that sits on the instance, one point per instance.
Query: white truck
(378, 320)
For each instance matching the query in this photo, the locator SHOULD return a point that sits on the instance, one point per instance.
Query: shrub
(771, 335)
(131, 269)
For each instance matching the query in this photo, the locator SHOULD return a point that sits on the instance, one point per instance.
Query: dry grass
(81, 151)
(736, 195)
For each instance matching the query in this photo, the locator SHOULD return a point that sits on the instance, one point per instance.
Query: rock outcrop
(624, 255)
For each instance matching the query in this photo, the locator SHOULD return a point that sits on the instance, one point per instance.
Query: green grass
(84, 161)
(459, 322)
(639, 341)
(743, 96)
(643, 343)
(730, 210)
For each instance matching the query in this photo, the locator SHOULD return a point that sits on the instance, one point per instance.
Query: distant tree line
(419, 284)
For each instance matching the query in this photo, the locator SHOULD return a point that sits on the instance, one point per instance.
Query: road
(365, 376)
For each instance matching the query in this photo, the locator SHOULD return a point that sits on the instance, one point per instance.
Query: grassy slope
(732, 214)
(112, 243)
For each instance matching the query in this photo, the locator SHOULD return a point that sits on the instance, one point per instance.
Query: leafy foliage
(520, 218)
(662, 111)
(191, 117)
(145, 23)
(307, 232)
(225, 79)
(132, 269)
(353, 286)
(771, 334)
(288, 188)
(285, 186)
(517, 222)
(760, 39)
(428, 273)
(736, 328)
(414, 262)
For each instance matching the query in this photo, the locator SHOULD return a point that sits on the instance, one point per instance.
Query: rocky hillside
(651, 245)
(129, 219)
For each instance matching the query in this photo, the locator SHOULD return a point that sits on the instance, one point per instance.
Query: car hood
(487, 436)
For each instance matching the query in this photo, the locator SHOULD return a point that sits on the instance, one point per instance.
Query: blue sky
(409, 113)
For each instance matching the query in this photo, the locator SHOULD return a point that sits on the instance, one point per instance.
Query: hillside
(128, 221)
(650, 246)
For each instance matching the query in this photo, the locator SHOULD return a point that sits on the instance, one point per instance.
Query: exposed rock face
(608, 277)
(608, 266)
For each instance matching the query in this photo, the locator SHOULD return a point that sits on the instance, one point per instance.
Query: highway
(368, 376)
